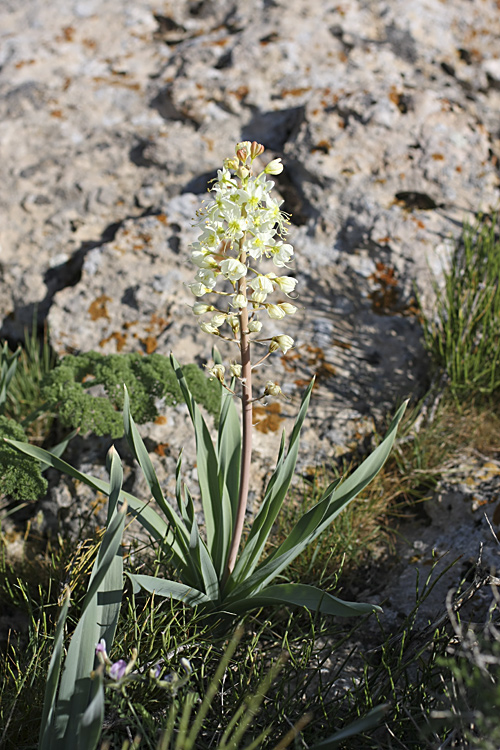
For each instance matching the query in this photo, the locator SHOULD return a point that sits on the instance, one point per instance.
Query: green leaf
(216, 505)
(169, 589)
(53, 678)
(142, 456)
(273, 499)
(96, 621)
(92, 720)
(229, 450)
(365, 724)
(150, 520)
(319, 516)
(300, 595)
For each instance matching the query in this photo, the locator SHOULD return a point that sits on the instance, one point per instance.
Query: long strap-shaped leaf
(319, 517)
(169, 589)
(142, 456)
(150, 520)
(300, 595)
(104, 593)
(273, 499)
(229, 450)
(49, 703)
(216, 505)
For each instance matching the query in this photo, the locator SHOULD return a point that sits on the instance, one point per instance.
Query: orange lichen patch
(156, 322)
(120, 338)
(89, 43)
(383, 240)
(385, 297)
(97, 308)
(88, 377)
(129, 324)
(420, 224)
(267, 418)
(161, 449)
(240, 93)
(68, 34)
(161, 419)
(162, 219)
(342, 344)
(324, 146)
(22, 63)
(438, 157)
(56, 113)
(150, 343)
(295, 92)
(117, 82)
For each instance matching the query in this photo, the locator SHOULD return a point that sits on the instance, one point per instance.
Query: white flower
(286, 283)
(272, 389)
(282, 342)
(199, 289)
(275, 312)
(235, 369)
(239, 300)
(217, 371)
(259, 297)
(281, 254)
(261, 284)
(233, 269)
(287, 308)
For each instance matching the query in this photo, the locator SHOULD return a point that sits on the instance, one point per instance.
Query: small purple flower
(118, 669)
(158, 670)
(101, 647)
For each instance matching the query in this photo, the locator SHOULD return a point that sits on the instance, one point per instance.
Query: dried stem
(246, 449)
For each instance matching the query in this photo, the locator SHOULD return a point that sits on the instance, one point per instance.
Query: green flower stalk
(241, 227)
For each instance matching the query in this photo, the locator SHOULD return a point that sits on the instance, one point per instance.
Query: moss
(87, 389)
(20, 475)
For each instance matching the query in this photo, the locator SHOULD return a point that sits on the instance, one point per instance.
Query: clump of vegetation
(87, 390)
(20, 476)
(464, 339)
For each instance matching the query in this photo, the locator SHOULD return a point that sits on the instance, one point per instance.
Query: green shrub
(20, 476)
(87, 389)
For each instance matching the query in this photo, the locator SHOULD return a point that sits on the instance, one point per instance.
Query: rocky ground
(113, 117)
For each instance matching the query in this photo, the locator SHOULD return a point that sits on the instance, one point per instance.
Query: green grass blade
(365, 724)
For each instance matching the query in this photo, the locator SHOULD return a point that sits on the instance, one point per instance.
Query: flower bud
(274, 167)
(259, 297)
(209, 328)
(199, 289)
(254, 326)
(234, 322)
(256, 149)
(282, 342)
(199, 308)
(218, 319)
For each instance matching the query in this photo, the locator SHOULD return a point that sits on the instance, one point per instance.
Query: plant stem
(246, 418)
